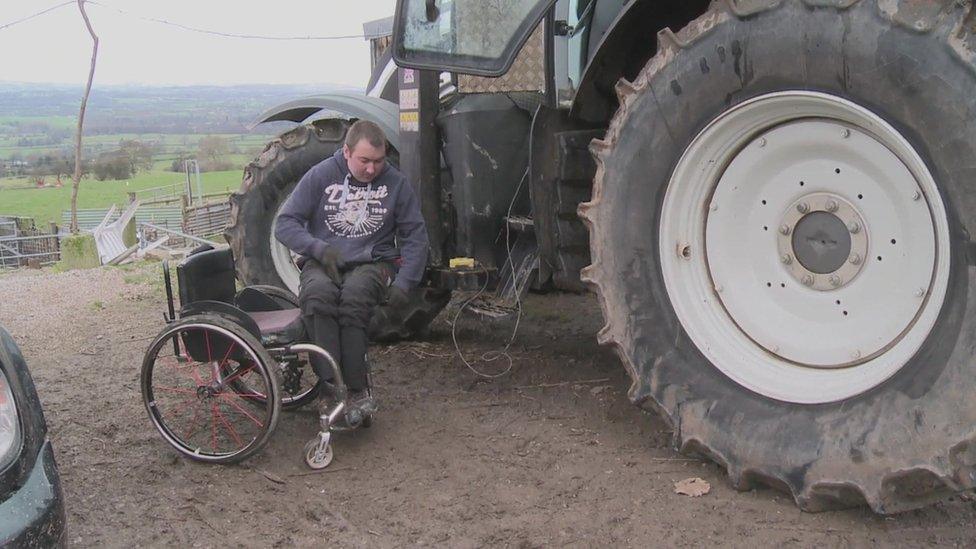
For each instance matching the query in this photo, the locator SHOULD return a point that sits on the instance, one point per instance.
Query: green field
(46, 204)
(64, 121)
(169, 144)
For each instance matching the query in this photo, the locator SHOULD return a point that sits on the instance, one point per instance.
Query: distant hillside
(142, 109)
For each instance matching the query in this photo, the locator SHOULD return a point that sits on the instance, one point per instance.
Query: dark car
(31, 500)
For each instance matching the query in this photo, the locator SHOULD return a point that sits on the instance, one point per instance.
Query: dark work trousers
(336, 315)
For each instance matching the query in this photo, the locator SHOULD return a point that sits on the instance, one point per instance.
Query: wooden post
(76, 179)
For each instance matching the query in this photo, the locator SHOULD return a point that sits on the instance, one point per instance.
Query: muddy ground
(550, 454)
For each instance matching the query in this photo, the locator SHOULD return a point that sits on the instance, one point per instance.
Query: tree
(178, 165)
(140, 154)
(212, 152)
(64, 165)
(213, 147)
(114, 165)
(81, 120)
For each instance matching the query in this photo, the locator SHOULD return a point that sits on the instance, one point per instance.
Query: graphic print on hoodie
(352, 211)
(379, 221)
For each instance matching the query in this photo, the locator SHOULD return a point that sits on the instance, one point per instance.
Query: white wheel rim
(731, 208)
(282, 257)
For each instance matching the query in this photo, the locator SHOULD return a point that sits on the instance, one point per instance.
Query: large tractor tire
(779, 230)
(261, 260)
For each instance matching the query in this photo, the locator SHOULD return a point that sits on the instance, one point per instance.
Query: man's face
(365, 161)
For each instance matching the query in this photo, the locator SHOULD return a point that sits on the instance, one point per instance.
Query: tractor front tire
(827, 355)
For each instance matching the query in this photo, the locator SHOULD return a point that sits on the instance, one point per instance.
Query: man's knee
(361, 293)
(317, 294)
(315, 305)
(316, 286)
(356, 307)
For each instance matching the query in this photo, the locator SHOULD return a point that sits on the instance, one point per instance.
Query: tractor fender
(348, 105)
(623, 49)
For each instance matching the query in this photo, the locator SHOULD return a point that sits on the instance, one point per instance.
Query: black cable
(38, 14)
(227, 34)
(491, 356)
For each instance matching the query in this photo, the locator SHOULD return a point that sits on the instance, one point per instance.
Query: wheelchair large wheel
(192, 388)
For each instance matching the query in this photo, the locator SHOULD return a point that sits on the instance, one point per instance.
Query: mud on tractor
(772, 199)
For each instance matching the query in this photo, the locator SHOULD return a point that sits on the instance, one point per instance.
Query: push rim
(200, 406)
(795, 307)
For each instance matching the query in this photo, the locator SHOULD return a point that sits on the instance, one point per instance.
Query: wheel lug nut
(834, 280)
(784, 230)
(807, 280)
(846, 133)
(856, 354)
(786, 259)
(916, 195)
(855, 259)
(831, 206)
(762, 141)
(920, 292)
(803, 207)
(854, 227)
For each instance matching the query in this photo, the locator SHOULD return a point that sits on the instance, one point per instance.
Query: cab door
(480, 37)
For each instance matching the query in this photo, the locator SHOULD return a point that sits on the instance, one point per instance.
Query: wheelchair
(215, 379)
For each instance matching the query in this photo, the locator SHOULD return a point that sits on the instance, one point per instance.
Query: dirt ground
(550, 454)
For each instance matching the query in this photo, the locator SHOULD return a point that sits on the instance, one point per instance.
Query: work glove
(333, 264)
(397, 297)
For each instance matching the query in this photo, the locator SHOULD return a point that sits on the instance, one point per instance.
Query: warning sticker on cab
(410, 121)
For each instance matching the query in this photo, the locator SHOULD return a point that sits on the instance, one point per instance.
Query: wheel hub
(822, 241)
(205, 392)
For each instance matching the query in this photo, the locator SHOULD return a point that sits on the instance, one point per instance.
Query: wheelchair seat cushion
(280, 327)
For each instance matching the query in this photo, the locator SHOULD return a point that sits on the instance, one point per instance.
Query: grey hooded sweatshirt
(379, 221)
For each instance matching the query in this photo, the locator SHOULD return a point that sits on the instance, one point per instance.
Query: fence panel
(21, 251)
(164, 216)
(177, 239)
(8, 228)
(206, 219)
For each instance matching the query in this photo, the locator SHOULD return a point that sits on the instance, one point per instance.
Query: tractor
(772, 200)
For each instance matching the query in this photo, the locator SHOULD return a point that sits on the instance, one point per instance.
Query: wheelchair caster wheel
(316, 456)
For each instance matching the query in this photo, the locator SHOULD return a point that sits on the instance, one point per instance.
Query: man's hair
(364, 129)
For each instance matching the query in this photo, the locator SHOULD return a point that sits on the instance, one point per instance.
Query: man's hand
(333, 264)
(397, 297)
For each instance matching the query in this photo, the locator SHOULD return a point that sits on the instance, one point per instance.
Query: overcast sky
(56, 47)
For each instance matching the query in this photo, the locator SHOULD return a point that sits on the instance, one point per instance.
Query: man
(356, 222)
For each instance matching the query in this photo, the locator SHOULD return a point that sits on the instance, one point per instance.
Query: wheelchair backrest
(207, 275)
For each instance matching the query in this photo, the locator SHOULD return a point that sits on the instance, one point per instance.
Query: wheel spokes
(183, 401)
